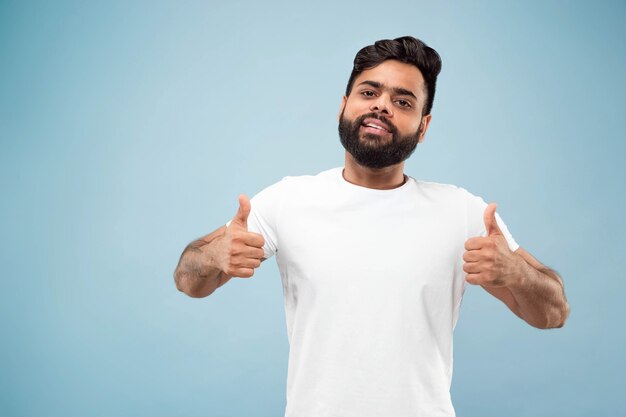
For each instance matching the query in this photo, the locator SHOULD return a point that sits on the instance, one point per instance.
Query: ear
(344, 99)
(425, 123)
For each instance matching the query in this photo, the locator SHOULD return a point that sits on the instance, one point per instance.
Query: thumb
(241, 218)
(491, 225)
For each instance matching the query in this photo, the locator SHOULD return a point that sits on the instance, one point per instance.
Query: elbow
(556, 319)
(198, 293)
(565, 310)
(183, 285)
(178, 280)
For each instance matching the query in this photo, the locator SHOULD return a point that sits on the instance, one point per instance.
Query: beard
(369, 150)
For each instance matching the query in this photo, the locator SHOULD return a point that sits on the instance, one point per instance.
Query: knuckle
(235, 250)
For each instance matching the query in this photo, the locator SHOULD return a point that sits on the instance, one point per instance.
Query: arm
(531, 290)
(197, 274)
(536, 294)
(209, 262)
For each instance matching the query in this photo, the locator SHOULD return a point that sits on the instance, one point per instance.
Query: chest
(408, 246)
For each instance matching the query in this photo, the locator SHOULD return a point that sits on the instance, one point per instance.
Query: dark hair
(406, 49)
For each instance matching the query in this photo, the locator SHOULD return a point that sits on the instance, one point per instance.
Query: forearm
(196, 273)
(540, 296)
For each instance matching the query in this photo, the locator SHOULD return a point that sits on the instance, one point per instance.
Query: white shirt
(372, 283)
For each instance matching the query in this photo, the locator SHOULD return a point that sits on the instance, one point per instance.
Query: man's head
(408, 50)
(386, 109)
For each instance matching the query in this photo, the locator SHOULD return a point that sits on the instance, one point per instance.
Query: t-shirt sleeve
(264, 213)
(476, 224)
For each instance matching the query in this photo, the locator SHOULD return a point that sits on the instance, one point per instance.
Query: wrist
(519, 276)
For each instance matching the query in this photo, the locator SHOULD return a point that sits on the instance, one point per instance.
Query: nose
(381, 105)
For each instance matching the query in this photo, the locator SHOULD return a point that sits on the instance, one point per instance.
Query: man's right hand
(239, 251)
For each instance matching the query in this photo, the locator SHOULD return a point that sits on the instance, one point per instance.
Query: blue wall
(127, 130)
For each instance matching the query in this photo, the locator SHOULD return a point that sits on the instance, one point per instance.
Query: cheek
(349, 113)
(408, 127)
(355, 108)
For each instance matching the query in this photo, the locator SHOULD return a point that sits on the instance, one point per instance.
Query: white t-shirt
(372, 282)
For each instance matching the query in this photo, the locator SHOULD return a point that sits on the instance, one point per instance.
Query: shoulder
(327, 175)
(436, 190)
(298, 182)
(292, 184)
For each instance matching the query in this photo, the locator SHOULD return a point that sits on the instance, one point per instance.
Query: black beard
(369, 152)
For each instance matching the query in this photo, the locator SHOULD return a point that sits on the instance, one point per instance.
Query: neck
(377, 178)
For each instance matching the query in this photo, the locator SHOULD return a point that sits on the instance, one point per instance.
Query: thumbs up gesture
(240, 251)
(488, 260)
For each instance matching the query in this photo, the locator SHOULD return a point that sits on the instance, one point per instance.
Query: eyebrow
(396, 90)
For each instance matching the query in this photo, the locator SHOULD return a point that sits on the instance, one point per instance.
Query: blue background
(128, 130)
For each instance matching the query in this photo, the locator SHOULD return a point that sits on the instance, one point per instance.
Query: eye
(368, 93)
(404, 103)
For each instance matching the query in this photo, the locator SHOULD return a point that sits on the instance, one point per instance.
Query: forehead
(394, 73)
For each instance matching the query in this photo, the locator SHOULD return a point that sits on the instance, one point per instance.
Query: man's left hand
(488, 260)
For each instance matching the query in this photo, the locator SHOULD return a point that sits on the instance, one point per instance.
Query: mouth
(375, 127)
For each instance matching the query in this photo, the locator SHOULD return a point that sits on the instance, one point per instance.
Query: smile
(376, 125)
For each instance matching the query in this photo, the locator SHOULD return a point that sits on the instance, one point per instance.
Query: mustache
(391, 126)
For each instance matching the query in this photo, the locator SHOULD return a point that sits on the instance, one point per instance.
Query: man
(373, 262)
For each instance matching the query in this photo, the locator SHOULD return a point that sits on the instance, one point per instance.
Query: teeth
(374, 126)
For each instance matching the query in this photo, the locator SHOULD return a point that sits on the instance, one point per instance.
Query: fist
(488, 260)
(240, 251)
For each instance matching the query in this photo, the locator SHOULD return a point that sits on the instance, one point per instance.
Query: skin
(396, 91)
(401, 109)
(532, 291)
(211, 261)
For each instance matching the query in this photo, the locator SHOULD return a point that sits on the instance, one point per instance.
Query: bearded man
(374, 262)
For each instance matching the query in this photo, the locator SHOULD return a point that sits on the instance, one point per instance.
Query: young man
(374, 262)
